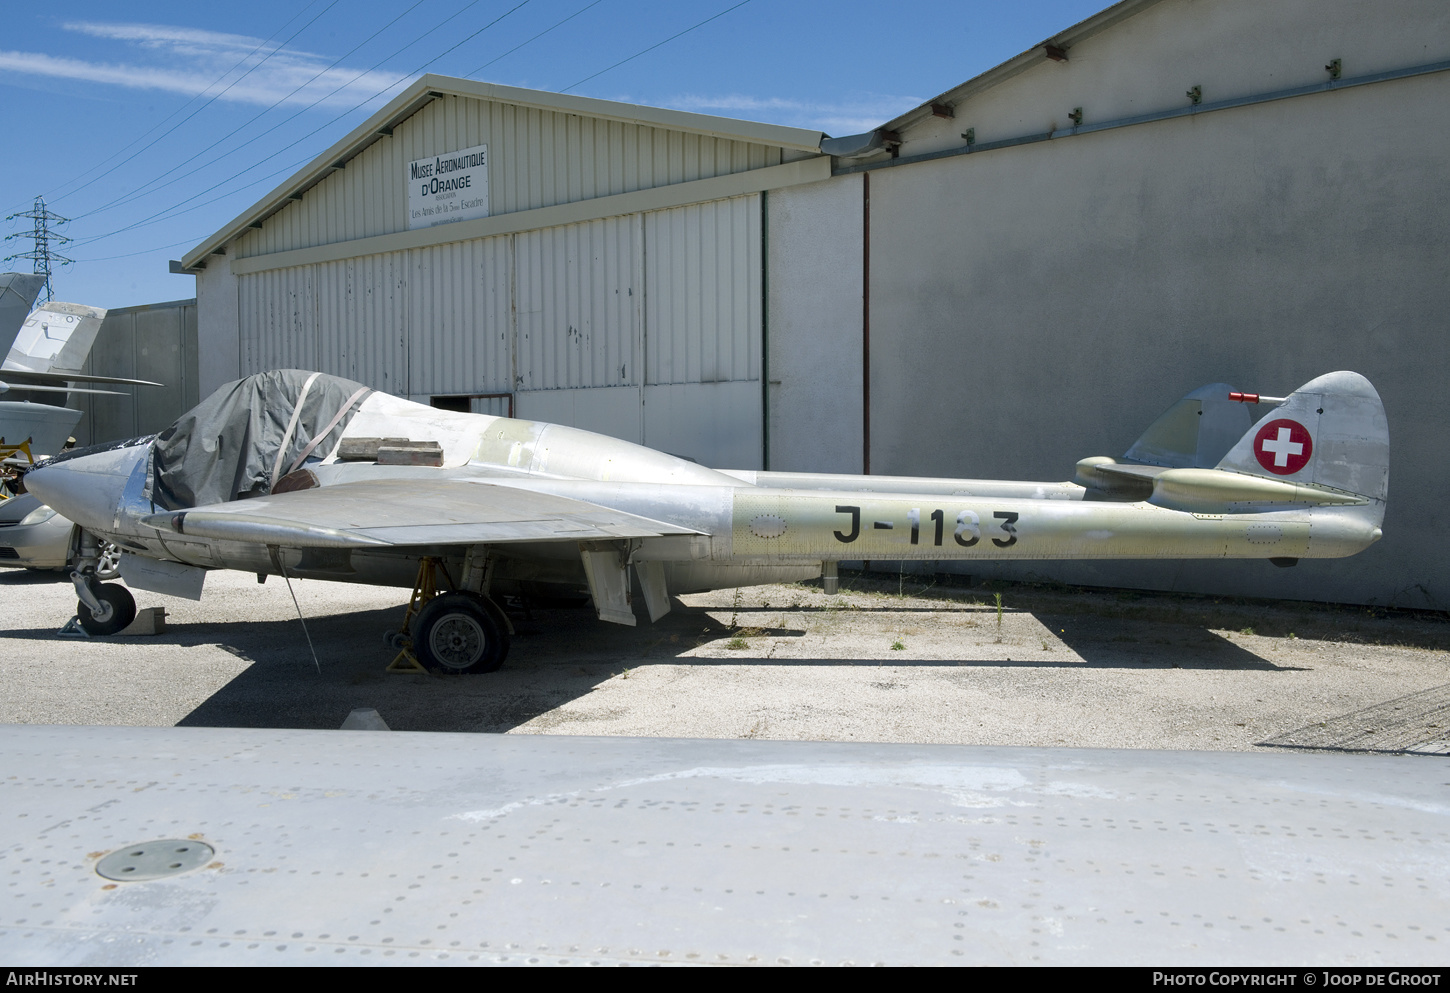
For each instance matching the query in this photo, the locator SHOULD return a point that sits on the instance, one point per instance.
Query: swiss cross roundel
(1283, 446)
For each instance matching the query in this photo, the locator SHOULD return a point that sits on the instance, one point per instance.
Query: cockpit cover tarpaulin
(226, 448)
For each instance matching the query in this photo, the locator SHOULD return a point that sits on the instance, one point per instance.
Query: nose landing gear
(103, 608)
(111, 607)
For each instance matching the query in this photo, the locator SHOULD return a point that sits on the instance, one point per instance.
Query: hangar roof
(431, 87)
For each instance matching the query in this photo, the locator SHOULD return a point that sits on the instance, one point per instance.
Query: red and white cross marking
(1283, 446)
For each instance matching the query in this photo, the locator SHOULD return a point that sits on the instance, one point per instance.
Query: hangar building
(1022, 271)
(606, 269)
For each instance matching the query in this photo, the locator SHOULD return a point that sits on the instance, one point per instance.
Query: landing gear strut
(457, 633)
(103, 608)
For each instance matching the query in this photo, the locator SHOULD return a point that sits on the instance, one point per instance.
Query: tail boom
(774, 524)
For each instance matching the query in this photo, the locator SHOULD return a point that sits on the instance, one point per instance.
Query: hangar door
(644, 326)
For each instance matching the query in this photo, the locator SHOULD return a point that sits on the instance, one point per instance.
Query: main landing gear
(449, 634)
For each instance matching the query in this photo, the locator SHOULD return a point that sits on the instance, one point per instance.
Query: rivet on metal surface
(155, 860)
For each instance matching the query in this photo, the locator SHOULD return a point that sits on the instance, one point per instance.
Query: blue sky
(151, 125)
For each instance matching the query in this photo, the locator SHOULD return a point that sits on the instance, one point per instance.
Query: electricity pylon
(43, 234)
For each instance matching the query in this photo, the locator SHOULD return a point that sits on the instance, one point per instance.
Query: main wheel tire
(123, 609)
(455, 634)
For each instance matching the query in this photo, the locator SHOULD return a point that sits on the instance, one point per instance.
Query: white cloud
(187, 61)
(834, 118)
(162, 35)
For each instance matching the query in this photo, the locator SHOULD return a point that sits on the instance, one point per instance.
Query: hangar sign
(448, 187)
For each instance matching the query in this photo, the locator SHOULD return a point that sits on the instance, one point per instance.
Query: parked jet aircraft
(305, 474)
(46, 349)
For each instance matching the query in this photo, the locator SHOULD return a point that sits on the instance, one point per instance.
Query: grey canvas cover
(240, 440)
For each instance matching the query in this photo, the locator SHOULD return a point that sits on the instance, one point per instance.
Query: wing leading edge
(401, 512)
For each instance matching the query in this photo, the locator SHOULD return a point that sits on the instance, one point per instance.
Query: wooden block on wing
(410, 453)
(364, 449)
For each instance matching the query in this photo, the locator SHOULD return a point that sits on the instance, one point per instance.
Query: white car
(34, 536)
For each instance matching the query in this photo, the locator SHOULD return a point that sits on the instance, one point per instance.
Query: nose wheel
(115, 609)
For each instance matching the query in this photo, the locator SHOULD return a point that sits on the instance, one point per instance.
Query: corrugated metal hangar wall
(155, 342)
(641, 317)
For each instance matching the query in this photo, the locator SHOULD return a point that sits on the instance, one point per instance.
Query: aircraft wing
(382, 512)
(33, 388)
(25, 379)
(227, 847)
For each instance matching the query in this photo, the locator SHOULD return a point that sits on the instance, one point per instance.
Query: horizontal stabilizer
(398, 512)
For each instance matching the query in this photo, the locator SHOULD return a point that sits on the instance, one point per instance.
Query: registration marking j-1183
(967, 533)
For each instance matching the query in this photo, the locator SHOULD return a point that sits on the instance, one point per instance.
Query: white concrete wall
(814, 326)
(1229, 48)
(218, 326)
(1034, 305)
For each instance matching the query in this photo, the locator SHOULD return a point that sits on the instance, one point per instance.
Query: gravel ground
(886, 660)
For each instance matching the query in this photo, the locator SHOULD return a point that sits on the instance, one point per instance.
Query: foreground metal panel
(365, 847)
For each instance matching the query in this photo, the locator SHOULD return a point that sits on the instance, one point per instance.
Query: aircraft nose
(87, 489)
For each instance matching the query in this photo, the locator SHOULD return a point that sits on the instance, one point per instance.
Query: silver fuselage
(746, 527)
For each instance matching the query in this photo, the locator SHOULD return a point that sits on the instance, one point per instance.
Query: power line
(176, 177)
(560, 24)
(216, 96)
(144, 251)
(158, 248)
(170, 213)
(145, 135)
(41, 234)
(159, 214)
(657, 44)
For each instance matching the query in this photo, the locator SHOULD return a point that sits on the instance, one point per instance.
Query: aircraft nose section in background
(87, 489)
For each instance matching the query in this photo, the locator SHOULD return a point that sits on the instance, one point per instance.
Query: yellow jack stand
(9, 454)
(425, 588)
(10, 451)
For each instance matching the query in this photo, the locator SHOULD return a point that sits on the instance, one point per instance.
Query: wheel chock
(150, 621)
(73, 629)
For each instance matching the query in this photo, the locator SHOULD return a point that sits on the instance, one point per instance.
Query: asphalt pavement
(889, 659)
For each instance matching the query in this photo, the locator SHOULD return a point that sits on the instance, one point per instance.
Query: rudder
(1330, 432)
